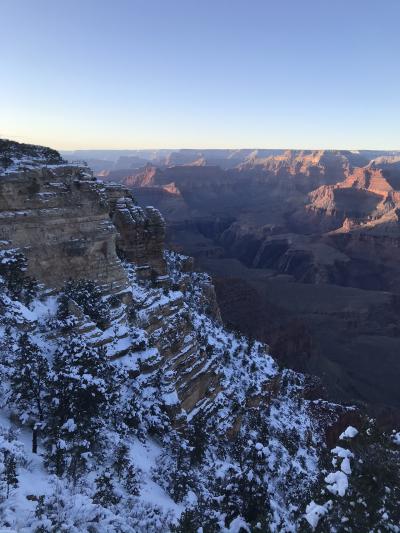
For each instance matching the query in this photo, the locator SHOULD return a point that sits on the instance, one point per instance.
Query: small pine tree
(244, 488)
(131, 413)
(82, 388)
(121, 462)
(9, 476)
(125, 470)
(199, 518)
(131, 481)
(180, 474)
(198, 438)
(105, 491)
(88, 296)
(29, 380)
(13, 267)
(371, 501)
(189, 522)
(11, 456)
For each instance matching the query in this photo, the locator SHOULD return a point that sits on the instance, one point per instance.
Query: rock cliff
(71, 226)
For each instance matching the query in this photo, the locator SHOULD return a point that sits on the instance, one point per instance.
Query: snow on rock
(349, 433)
(238, 525)
(342, 452)
(337, 483)
(287, 447)
(69, 425)
(396, 438)
(171, 398)
(345, 455)
(345, 466)
(314, 513)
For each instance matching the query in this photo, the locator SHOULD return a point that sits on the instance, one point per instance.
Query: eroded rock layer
(61, 218)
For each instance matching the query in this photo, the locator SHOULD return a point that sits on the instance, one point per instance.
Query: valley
(303, 247)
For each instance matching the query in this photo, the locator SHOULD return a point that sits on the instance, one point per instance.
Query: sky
(201, 73)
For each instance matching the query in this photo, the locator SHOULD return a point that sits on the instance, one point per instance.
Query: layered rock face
(179, 353)
(71, 226)
(59, 218)
(141, 232)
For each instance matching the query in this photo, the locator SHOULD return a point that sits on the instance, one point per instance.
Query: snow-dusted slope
(16, 157)
(256, 429)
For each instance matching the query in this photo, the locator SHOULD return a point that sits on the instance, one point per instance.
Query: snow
(337, 483)
(145, 456)
(38, 309)
(396, 438)
(345, 466)
(171, 398)
(243, 371)
(314, 513)
(345, 455)
(342, 452)
(238, 525)
(21, 163)
(349, 433)
(69, 425)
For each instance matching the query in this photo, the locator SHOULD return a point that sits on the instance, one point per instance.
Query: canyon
(143, 411)
(303, 248)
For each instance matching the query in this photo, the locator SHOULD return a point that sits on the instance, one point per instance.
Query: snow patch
(348, 433)
(337, 483)
(314, 513)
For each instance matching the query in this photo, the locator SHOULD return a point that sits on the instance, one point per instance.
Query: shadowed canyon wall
(313, 237)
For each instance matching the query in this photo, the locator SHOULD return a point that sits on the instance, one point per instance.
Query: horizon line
(200, 148)
(229, 148)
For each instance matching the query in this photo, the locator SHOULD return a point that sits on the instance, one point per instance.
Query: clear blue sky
(201, 73)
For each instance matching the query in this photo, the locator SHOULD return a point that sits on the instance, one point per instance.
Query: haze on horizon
(97, 74)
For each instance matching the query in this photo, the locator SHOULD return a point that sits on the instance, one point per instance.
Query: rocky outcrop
(183, 359)
(182, 407)
(16, 156)
(72, 226)
(141, 232)
(59, 218)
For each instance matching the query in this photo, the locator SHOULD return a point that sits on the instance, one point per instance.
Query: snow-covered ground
(259, 439)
